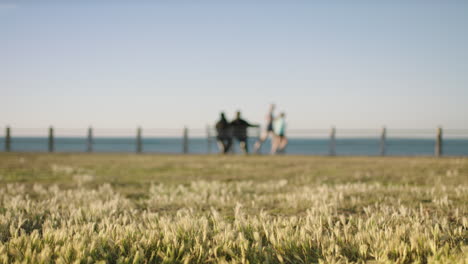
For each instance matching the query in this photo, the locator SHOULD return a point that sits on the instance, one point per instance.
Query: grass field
(118, 208)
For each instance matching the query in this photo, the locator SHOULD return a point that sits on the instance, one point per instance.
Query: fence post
(7, 139)
(139, 146)
(89, 142)
(185, 141)
(208, 139)
(383, 138)
(332, 142)
(439, 142)
(51, 139)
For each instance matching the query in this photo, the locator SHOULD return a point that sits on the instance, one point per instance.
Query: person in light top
(279, 140)
(268, 131)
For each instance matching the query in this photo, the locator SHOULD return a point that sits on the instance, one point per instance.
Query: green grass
(119, 208)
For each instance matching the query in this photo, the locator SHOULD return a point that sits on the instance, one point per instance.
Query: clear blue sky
(352, 64)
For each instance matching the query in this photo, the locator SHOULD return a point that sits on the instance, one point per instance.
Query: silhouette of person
(268, 131)
(224, 137)
(239, 130)
(280, 141)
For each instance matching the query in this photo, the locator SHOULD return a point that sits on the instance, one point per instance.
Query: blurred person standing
(279, 141)
(224, 135)
(268, 130)
(239, 131)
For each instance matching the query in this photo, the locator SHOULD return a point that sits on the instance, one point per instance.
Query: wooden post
(208, 139)
(332, 142)
(139, 146)
(51, 139)
(7, 140)
(438, 145)
(89, 142)
(185, 141)
(383, 138)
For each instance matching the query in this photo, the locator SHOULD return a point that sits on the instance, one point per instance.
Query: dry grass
(210, 209)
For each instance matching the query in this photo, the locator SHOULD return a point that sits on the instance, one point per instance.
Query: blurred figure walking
(268, 130)
(224, 135)
(239, 130)
(280, 141)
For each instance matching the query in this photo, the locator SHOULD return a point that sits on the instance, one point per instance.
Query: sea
(296, 146)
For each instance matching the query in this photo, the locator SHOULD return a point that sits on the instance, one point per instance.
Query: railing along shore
(332, 142)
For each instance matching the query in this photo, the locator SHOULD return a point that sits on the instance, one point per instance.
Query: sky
(169, 64)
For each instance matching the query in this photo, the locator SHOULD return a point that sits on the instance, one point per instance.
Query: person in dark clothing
(224, 137)
(239, 130)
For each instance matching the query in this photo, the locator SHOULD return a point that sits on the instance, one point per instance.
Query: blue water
(348, 146)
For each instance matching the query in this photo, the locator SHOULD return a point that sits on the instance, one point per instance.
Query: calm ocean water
(347, 146)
